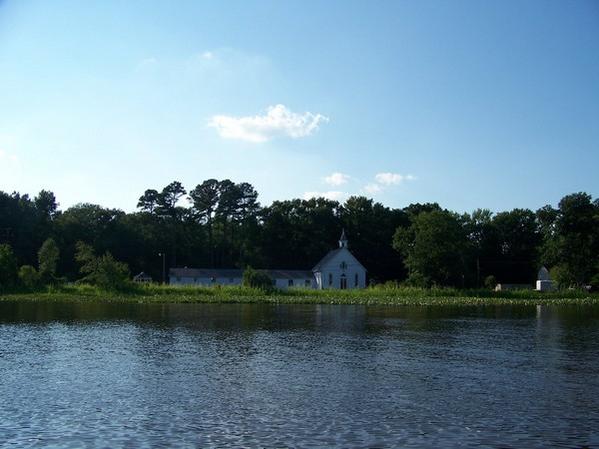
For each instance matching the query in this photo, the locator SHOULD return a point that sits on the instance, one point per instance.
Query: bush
(105, 271)
(417, 279)
(256, 279)
(29, 277)
(490, 282)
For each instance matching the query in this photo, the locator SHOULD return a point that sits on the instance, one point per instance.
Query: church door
(343, 282)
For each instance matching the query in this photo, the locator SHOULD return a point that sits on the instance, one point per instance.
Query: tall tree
(45, 203)
(8, 267)
(48, 256)
(168, 199)
(148, 202)
(572, 247)
(205, 198)
(434, 248)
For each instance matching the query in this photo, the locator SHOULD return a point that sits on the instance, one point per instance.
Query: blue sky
(470, 104)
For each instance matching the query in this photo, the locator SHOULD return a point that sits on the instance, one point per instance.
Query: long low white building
(213, 276)
(339, 269)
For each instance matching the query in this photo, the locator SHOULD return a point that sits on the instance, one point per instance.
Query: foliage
(103, 271)
(433, 248)
(8, 267)
(490, 282)
(395, 295)
(223, 225)
(571, 240)
(256, 279)
(29, 277)
(48, 256)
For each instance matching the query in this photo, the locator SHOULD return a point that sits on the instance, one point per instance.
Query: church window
(290, 282)
(343, 265)
(330, 279)
(356, 280)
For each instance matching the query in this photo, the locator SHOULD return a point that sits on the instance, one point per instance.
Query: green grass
(369, 296)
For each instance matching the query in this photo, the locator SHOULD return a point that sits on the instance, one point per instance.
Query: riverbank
(369, 296)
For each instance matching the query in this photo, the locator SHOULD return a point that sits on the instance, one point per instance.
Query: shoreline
(243, 295)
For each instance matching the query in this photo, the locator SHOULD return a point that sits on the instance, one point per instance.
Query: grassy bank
(369, 296)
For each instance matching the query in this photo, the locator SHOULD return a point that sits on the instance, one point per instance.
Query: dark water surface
(266, 376)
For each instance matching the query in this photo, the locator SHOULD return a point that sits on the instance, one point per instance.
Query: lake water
(301, 376)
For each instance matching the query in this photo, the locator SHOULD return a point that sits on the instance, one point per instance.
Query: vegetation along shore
(368, 296)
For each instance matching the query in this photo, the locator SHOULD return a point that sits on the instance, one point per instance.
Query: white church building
(339, 269)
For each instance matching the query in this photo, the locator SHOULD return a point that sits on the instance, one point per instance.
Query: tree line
(221, 224)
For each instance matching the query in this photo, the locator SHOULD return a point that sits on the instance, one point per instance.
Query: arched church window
(343, 265)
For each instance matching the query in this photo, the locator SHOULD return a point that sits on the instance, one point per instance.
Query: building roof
(236, 273)
(205, 272)
(326, 258)
(289, 274)
(543, 274)
(330, 255)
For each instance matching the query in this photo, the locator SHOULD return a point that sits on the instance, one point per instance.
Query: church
(338, 269)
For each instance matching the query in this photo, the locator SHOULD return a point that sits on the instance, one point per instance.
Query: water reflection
(111, 375)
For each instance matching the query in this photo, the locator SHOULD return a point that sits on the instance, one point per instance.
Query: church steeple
(343, 240)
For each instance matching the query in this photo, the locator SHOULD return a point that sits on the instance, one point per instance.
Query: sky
(465, 103)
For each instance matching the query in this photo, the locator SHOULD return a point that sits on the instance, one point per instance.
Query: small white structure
(340, 269)
(544, 282)
(142, 278)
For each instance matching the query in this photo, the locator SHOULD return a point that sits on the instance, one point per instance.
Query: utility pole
(163, 254)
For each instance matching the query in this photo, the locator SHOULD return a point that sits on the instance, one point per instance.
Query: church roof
(543, 274)
(330, 255)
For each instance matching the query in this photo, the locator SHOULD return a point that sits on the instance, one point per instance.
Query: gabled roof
(205, 272)
(289, 274)
(236, 273)
(330, 255)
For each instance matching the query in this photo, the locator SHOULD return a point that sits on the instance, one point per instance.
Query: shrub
(29, 277)
(256, 279)
(105, 271)
(490, 282)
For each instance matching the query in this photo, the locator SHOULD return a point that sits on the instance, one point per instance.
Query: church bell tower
(343, 240)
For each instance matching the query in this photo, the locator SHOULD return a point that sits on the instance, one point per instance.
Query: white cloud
(385, 180)
(147, 63)
(392, 178)
(208, 55)
(337, 179)
(330, 195)
(278, 121)
(372, 188)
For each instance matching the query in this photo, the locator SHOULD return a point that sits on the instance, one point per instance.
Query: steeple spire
(343, 240)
